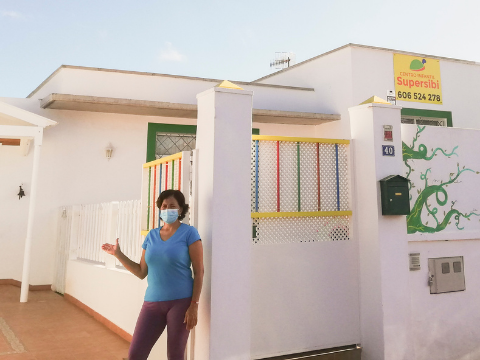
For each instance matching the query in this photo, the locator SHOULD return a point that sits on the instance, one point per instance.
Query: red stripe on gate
(179, 173)
(278, 176)
(166, 176)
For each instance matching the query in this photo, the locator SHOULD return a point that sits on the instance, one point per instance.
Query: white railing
(92, 227)
(95, 224)
(128, 229)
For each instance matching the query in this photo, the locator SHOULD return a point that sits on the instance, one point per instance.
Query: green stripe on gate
(148, 206)
(298, 173)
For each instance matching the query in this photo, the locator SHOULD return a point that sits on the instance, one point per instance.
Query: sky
(221, 39)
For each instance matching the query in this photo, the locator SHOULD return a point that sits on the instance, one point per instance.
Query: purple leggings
(151, 322)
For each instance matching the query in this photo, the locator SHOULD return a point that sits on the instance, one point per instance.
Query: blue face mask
(169, 216)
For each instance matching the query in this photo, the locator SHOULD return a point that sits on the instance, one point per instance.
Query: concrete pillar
(224, 130)
(384, 270)
(31, 217)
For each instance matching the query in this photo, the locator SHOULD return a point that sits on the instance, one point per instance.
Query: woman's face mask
(169, 216)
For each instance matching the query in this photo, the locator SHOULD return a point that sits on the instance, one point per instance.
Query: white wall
(445, 326)
(166, 88)
(14, 170)
(115, 294)
(331, 77)
(462, 145)
(373, 75)
(74, 170)
(347, 77)
(304, 297)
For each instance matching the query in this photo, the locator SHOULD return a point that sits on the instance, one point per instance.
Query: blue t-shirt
(169, 273)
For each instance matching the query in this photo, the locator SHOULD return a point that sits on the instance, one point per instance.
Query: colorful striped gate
(301, 180)
(304, 257)
(171, 172)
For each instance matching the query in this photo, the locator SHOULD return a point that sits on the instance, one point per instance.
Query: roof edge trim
(75, 67)
(469, 62)
(25, 115)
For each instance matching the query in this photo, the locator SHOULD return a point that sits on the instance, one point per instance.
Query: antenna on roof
(283, 60)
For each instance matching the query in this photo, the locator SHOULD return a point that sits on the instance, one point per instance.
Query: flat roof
(160, 75)
(365, 47)
(159, 108)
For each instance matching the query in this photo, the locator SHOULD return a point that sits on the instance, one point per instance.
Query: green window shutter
(154, 128)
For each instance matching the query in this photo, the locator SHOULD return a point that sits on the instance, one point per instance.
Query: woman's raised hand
(112, 249)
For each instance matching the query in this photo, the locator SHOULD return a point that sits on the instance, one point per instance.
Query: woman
(172, 296)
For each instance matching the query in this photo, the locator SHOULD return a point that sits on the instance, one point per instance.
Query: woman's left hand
(191, 316)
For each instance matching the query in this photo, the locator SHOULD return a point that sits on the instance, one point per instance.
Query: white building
(99, 108)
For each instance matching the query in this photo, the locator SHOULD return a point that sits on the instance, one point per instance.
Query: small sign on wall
(414, 261)
(388, 150)
(387, 132)
(391, 98)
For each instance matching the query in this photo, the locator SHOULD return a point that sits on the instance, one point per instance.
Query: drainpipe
(31, 214)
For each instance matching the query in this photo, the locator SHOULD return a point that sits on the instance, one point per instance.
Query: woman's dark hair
(177, 194)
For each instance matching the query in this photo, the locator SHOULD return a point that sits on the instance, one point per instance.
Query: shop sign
(417, 79)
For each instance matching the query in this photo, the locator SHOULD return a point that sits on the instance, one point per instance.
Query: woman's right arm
(139, 270)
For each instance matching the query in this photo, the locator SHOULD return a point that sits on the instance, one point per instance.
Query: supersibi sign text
(417, 79)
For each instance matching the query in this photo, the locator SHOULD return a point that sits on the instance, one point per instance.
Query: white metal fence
(82, 229)
(128, 229)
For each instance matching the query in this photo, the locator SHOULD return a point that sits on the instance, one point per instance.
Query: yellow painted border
(256, 215)
(299, 139)
(163, 160)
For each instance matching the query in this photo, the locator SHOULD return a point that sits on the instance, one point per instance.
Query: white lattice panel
(288, 177)
(267, 176)
(343, 177)
(308, 177)
(253, 175)
(328, 178)
(300, 229)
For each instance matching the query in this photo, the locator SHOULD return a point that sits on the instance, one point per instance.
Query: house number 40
(388, 150)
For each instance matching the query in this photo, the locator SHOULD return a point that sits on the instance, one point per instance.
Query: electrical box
(446, 274)
(395, 195)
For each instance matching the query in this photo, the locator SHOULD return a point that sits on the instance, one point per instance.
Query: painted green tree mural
(430, 197)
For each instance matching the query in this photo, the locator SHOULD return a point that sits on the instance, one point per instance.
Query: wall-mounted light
(108, 152)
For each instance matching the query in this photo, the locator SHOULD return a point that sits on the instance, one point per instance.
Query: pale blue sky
(224, 39)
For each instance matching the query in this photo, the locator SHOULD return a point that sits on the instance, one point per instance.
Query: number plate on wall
(388, 150)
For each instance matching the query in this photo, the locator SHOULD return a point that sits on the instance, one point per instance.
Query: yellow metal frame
(299, 139)
(257, 215)
(163, 160)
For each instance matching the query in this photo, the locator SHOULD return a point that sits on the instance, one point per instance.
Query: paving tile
(23, 356)
(51, 328)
